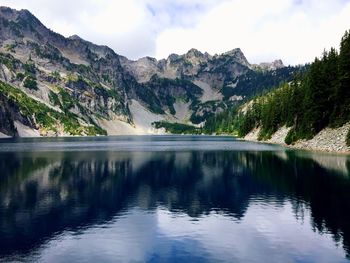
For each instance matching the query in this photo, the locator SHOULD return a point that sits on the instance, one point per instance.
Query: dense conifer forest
(315, 99)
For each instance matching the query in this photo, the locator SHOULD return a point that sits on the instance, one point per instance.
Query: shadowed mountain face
(94, 86)
(44, 195)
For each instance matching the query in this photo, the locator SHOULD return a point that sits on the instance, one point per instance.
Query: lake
(171, 199)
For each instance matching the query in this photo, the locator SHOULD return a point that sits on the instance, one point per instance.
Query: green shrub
(9, 61)
(11, 47)
(30, 83)
(20, 76)
(291, 137)
(46, 117)
(29, 68)
(68, 101)
(54, 99)
(56, 75)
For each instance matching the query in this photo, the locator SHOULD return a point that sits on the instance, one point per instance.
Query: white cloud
(125, 26)
(293, 30)
(264, 30)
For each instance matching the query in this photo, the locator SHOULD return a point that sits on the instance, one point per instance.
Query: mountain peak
(173, 56)
(148, 58)
(12, 14)
(75, 37)
(234, 52)
(194, 53)
(22, 17)
(5, 9)
(238, 55)
(276, 64)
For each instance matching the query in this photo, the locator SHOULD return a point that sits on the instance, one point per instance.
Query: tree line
(315, 99)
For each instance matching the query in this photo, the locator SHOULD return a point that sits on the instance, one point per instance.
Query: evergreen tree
(342, 108)
(318, 98)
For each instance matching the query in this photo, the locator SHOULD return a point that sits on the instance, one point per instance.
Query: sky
(295, 31)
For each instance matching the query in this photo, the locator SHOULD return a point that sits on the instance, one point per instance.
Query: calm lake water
(171, 199)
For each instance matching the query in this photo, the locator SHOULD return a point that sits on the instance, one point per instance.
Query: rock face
(192, 65)
(8, 113)
(94, 86)
(266, 66)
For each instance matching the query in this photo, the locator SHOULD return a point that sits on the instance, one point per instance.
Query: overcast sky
(294, 30)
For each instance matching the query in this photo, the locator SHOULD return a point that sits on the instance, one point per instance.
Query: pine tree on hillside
(341, 113)
(314, 100)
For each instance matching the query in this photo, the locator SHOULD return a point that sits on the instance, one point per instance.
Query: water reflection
(215, 200)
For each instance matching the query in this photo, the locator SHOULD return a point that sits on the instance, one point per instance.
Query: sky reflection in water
(171, 202)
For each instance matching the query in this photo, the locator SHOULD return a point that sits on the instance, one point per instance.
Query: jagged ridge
(104, 89)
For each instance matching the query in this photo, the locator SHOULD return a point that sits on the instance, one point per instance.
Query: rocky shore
(328, 140)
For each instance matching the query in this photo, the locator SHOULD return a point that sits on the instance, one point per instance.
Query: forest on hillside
(315, 99)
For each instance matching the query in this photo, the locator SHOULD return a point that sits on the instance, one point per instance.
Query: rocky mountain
(266, 66)
(54, 86)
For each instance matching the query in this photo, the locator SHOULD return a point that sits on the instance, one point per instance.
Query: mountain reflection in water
(173, 205)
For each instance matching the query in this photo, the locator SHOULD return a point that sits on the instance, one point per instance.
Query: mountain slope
(311, 111)
(102, 89)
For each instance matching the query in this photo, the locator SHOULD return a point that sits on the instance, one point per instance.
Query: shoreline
(329, 140)
(302, 145)
(292, 147)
